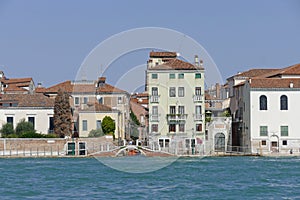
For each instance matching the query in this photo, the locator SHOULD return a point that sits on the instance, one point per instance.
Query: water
(187, 178)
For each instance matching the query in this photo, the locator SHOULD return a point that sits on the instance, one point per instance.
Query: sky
(49, 40)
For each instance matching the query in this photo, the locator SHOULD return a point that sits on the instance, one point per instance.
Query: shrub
(24, 127)
(96, 133)
(7, 129)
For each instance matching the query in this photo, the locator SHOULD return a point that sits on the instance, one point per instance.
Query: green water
(187, 178)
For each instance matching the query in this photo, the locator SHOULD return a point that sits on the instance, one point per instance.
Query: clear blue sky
(48, 40)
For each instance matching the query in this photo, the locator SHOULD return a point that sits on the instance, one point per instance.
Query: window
(172, 92)
(31, 120)
(198, 110)
(161, 142)
(98, 124)
(198, 91)
(155, 110)
(51, 124)
(284, 130)
(198, 127)
(181, 110)
(154, 76)
(172, 110)
(284, 142)
(181, 91)
(283, 102)
(172, 128)
(263, 102)
(10, 120)
(181, 127)
(154, 91)
(167, 142)
(84, 125)
(198, 75)
(154, 128)
(263, 130)
(100, 100)
(85, 100)
(76, 101)
(171, 76)
(119, 100)
(263, 142)
(181, 76)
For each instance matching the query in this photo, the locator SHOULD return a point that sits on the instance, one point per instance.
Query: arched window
(283, 102)
(263, 104)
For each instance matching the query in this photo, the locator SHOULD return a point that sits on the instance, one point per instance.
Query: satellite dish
(98, 97)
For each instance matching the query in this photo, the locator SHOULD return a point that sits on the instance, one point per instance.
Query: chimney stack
(291, 84)
(196, 60)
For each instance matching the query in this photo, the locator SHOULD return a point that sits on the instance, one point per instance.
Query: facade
(176, 101)
(35, 108)
(90, 118)
(266, 111)
(86, 94)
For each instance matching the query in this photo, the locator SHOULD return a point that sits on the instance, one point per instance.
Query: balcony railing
(198, 98)
(176, 117)
(154, 99)
(198, 117)
(154, 118)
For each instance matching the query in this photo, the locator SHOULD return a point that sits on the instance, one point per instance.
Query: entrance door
(220, 142)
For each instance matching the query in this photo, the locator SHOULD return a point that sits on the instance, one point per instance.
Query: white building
(35, 108)
(176, 102)
(267, 111)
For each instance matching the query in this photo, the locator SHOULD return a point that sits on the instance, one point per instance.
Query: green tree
(7, 129)
(108, 125)
(134, 119)
(62, 115)
(24, 127)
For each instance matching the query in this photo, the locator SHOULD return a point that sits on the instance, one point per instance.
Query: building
(86, 94)
(176, 101)
(35, 108)
(16, 85)
(265, 110)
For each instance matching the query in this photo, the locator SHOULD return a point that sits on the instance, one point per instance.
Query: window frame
(84, 125)
(181, 92)
(283, 102)
(262, 132)
(172, 92)
(154, 76)
(263, 102)
(284, 133)
(198, 75)
(181, 76)
(172, 76)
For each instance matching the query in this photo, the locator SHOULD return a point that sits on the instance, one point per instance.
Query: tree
(62, 115)
(7, 129)
(134, 118)
(108, 125)
(24, 127)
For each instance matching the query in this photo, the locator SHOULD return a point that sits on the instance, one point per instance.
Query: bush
(96, 133)
(36, 135)
(7, 129)
(24, 127)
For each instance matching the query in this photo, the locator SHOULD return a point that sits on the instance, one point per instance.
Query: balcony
(154, 99)
(176, 117)
(198, 98)
(154, 118)
(198, 117)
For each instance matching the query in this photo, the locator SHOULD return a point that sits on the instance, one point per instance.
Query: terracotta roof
(255, 72)
(70, 87)
(17, 80)
(274, 82)
(28, 100)
(97, 108)
(291, 70)
(158, 54)
(40, 90)
(176, 64)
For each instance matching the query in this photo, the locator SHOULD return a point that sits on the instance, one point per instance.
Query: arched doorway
(220, 142)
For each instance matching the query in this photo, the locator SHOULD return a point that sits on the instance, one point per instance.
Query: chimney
(291, 84)
(39, 85)
(201, 63)
(101, 81)
(196, 60)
